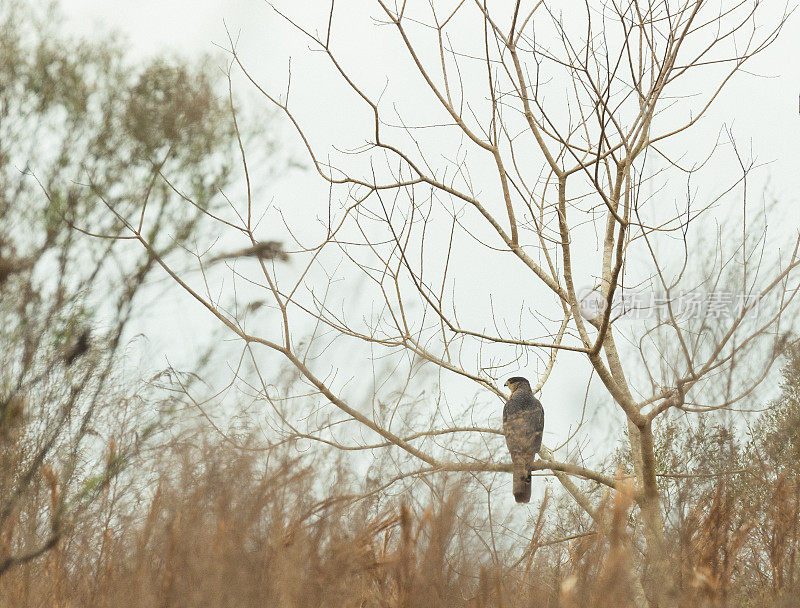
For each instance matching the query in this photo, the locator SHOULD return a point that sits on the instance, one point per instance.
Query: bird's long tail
(522, 484)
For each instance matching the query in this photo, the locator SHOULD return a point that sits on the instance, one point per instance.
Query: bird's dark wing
(518, 427)
(537, 424)
(523, 424)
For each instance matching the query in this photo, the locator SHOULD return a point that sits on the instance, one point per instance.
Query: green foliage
(173, 107)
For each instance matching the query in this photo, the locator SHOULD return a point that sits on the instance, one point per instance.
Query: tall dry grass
(221, 528)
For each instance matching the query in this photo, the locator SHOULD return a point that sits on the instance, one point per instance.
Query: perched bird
(268, 250)
(523, 423)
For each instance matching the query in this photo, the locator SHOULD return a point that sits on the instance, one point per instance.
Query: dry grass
(221, 529)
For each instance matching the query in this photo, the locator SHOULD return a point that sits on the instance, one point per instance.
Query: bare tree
(557, 144)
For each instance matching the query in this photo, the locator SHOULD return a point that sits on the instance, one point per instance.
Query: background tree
(77, 119)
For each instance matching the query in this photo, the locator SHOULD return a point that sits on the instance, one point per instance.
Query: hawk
(523, 423)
